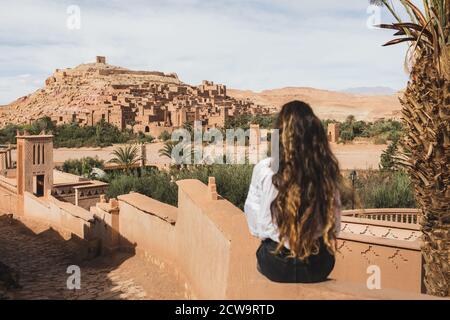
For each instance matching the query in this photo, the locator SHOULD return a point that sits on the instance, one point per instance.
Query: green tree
(127, 157)
(83, 166)
(387, 161)
(166, 150)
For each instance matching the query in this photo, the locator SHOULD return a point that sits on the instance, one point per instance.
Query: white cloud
(243, 44)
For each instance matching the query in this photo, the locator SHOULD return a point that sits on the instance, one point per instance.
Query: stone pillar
(10, 157)
(3, 162)
(115, 229)
(143, 155)
(77, 195)
(212, 188)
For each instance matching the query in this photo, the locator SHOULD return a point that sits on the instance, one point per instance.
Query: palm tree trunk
(426, 116)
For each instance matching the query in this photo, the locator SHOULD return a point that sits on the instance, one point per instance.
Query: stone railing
(409, 216)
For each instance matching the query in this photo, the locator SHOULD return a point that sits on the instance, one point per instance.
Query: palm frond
(396, 41)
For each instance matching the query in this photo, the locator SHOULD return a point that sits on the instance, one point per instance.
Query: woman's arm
(253, 202)
(260, 196)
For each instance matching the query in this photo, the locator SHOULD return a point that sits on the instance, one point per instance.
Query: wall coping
(71, 209)
(8, 186)
(151, 206)
(220, 211)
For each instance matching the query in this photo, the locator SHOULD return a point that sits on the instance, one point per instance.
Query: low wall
(399, 262)
(207, 241)
(85, 202)
(62, 216)
(8, 196)
(375, 238)
(106, 225)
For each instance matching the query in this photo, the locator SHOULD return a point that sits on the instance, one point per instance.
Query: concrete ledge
(148, 205)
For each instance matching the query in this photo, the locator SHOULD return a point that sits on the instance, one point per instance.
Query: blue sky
(245, 44)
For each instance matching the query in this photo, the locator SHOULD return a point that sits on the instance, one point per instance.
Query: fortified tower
(333, 132)
(34, 165)
(101, 59)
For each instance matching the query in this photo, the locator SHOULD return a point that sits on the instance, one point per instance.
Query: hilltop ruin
(144, 101)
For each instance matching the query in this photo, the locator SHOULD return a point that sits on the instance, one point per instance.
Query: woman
(296, 210)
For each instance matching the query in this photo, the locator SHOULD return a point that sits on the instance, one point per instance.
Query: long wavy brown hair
(307, 182)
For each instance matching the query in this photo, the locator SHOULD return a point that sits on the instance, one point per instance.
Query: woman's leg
(320, 266)
(280, 268)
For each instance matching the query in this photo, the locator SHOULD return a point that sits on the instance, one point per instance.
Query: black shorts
(282, 268)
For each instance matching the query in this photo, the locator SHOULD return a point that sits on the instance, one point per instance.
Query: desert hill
(328, 104)
(82, 89)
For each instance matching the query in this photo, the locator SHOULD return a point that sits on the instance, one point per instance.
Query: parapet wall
(8, 196)
(64, 217)
(210, 248)
(206, 243)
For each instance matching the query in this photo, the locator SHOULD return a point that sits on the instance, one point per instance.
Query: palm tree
(166, 150)
(426, 116)
(127, 157)
(188, 152)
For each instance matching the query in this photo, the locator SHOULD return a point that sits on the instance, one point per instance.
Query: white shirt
(257, 206)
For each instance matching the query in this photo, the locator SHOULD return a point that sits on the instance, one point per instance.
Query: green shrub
(379, 140)
(73, 135)
(144, 138)
(243, 121)
(83, 166)
(374, 189)
(264, 121)
(378, 189)
(382, 129)
(8, 134)
(153, 183)
(387, 159)
(232, 181)
(164, 136)
(347, 135)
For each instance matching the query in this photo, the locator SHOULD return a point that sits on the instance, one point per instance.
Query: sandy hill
(328, 104)
(80, 89)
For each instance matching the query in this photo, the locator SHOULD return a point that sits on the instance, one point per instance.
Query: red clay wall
(211, 247)
(8, 198)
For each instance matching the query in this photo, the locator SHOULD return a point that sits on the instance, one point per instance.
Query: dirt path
(42, 260)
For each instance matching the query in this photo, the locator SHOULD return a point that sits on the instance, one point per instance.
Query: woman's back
(296, 210)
